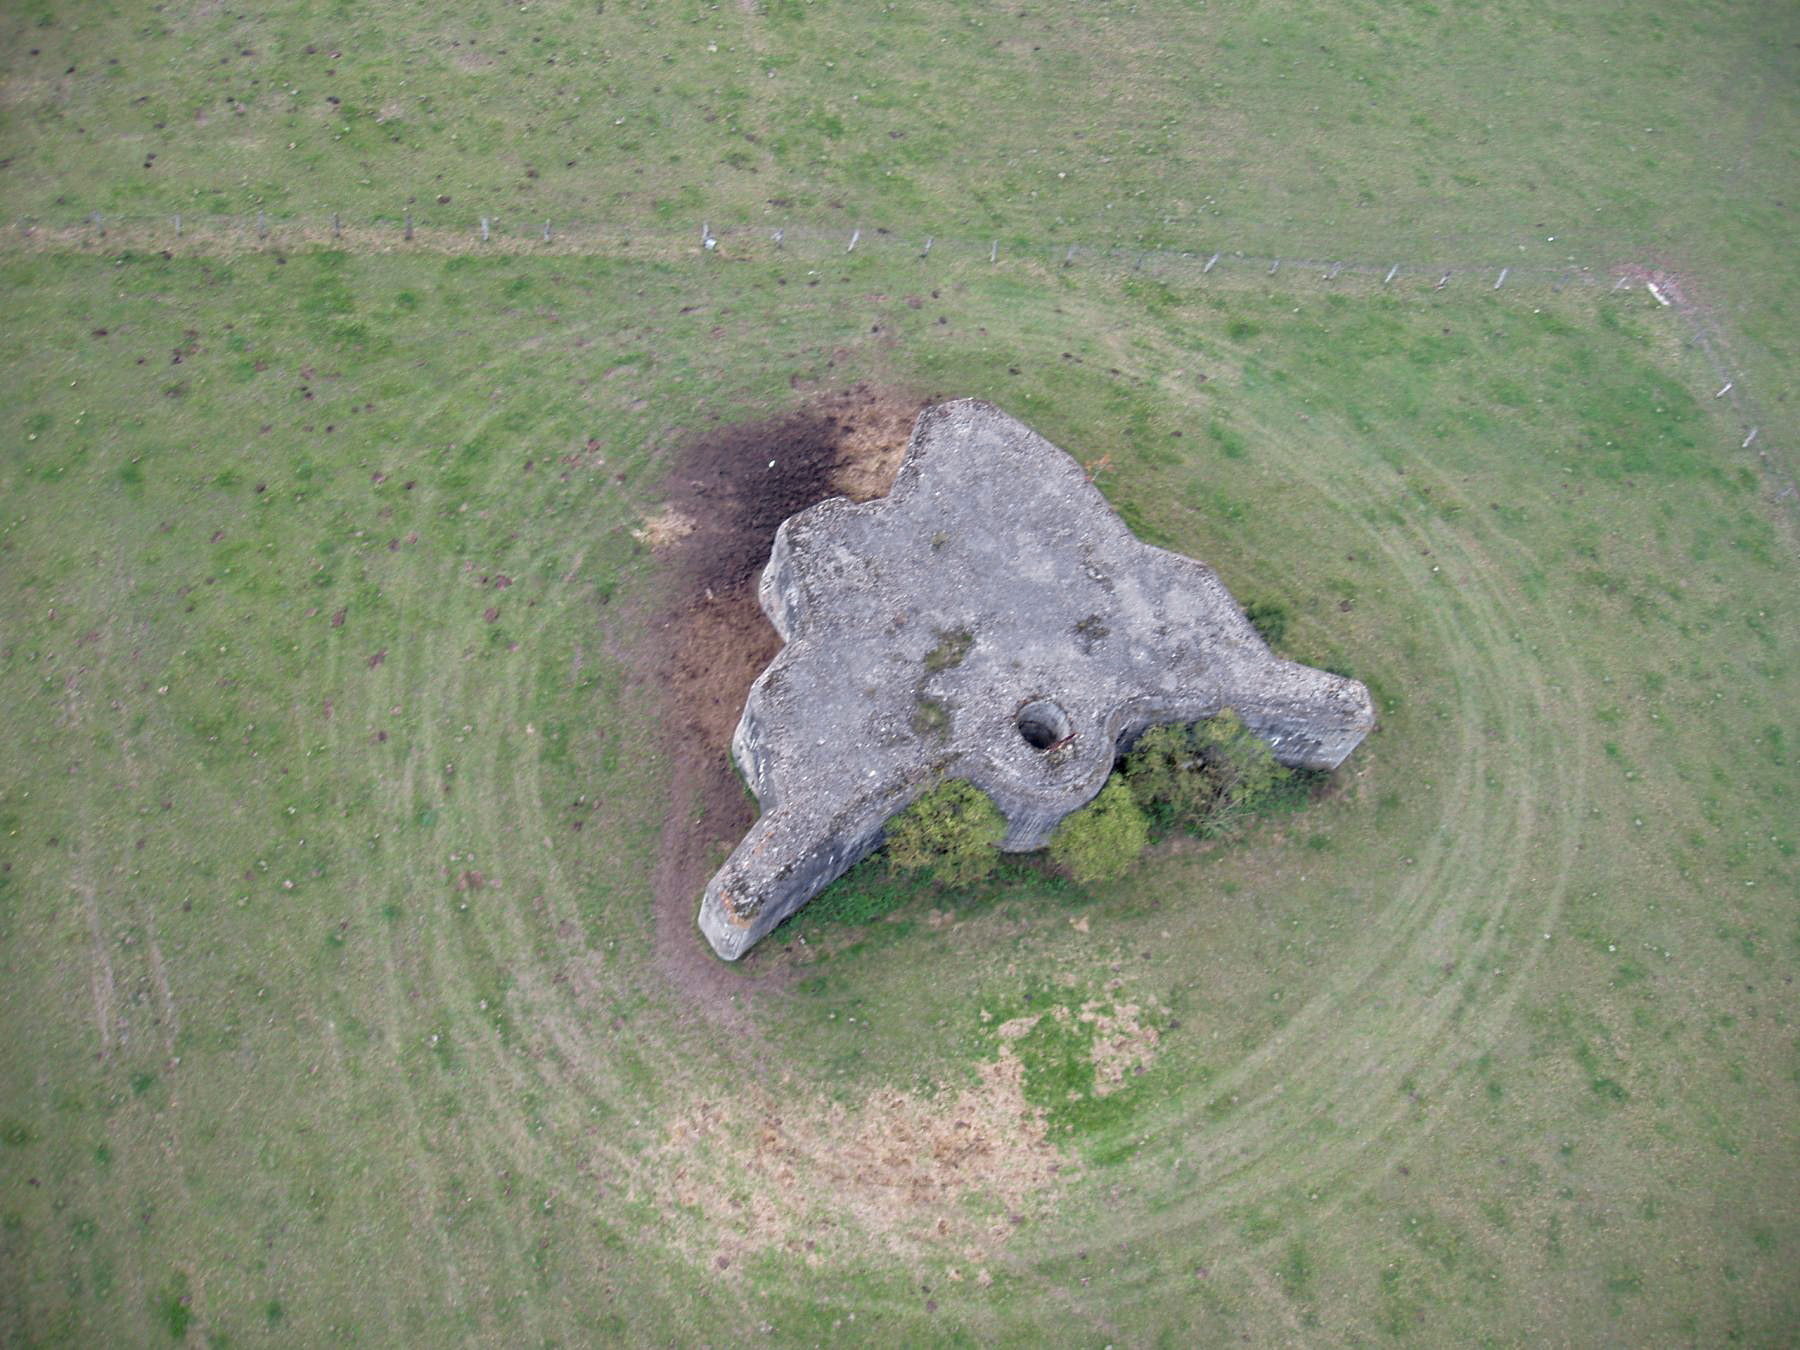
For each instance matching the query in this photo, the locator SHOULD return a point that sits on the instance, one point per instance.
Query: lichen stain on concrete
(992, 619)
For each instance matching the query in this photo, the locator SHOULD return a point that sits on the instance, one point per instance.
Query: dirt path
(725, 498)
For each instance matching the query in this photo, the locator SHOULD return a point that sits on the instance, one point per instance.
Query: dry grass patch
(1122, 1044)
(907, 1174)
(666, 527)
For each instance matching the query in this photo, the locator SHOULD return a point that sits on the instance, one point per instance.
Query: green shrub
(952, 833)
(1204, 776)
(1103, 839)
(1168, 778)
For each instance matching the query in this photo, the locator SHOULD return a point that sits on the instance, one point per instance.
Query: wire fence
(813, 244)
(726, 241)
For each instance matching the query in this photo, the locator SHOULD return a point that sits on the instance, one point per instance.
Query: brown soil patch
(723, 502)
(873, 435)
(916, 1175)
(1122, 1045)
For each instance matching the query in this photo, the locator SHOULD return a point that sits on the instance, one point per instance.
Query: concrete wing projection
(992, 619)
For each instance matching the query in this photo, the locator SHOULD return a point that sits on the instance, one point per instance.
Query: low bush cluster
(1203, 778)
(1102, 841)
(952, 833)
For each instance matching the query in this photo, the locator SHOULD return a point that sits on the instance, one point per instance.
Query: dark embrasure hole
(1044, 724)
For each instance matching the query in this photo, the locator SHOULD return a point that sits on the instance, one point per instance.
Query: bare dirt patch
(723, 502)
(873, 433)
(1670, 285)
(915, 1175)
(1122, 1044)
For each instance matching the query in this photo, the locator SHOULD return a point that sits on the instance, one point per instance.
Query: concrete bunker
(992, 619)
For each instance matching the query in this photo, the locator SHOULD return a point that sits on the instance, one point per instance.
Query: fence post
(1211, 263)
(1392, 272)
(1273, 266)
(546, 231)
(1069, 257)
(854, 236)
(1500, 280)
(408, 233)
(98, 223)
(1443, 281)
(779, 234)
(262, 224)
(337, 226)
(927, 252)
(178, 224)
(994, 252)
(484, 229)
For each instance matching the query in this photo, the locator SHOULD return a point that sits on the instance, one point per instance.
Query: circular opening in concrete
(1043, 724)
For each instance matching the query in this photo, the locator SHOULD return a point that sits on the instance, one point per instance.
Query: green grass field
(335, 1010)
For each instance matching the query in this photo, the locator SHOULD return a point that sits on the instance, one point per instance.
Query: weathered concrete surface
(990, 619)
